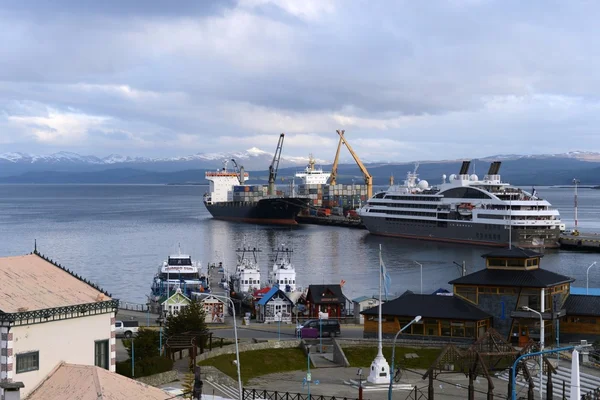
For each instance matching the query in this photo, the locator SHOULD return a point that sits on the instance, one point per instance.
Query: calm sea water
(118, 235)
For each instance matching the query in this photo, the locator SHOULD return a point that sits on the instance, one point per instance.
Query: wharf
(583, 241)
(332, 220)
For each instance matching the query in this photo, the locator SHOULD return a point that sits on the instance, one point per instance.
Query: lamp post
(587, 277)
(392, 372)
(237, 350)
(359, 374)
(575, 182)
(132, 358)
(308, 377)
(421, 266)
(541, 345)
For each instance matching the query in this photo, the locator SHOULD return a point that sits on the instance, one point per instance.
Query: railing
(257, 394)
(124, 305)
(342, 320)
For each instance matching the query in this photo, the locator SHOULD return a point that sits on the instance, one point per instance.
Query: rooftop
(86, 382)
(514, 252)
(317, 292)
(584, 305)
(31, 282)
(429, 306)
(535, 278)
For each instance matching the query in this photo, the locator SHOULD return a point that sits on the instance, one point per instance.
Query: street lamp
(587, 277)
(420, 265)
(308, 377)
(541, 344)
(392, 372)
(575, 182)
(237, 351)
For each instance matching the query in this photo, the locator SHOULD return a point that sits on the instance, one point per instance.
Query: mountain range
(67, 167)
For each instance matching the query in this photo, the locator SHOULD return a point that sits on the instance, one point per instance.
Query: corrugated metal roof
(86, 382)
(316, 292)
(29, 283)
(585, 305)
(268, 295)
(535, 278)
(429, 306)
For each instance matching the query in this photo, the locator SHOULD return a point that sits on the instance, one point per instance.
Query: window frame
(27, 369)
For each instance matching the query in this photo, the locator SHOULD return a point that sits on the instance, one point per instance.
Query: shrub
(145, 367)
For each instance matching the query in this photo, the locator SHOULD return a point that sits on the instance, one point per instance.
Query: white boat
(283, 272)
(178, 272)
(313, 175)
(246, 277)
(464, 209)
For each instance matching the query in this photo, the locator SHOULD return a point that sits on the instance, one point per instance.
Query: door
(523, 335)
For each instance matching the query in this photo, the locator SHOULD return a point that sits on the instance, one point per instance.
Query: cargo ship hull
(270, 211)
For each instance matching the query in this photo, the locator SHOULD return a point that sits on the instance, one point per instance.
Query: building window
(101, 354)
(467, 292)
(28, 362)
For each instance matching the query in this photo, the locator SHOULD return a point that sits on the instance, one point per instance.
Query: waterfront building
(582, 319)
(174, 303)
(214, 308)
(49, 314)
(513, 279)
(442, 318)
(327, 299)
(274, 306)
(360, 304)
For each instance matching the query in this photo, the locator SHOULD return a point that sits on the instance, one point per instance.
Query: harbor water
(118, 235)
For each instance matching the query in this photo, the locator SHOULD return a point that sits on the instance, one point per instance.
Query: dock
(332, 220)
(583, 241)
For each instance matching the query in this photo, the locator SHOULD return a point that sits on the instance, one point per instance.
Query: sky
(406, 80)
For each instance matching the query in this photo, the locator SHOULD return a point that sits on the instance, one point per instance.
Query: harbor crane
(363, 169)
(239, 171)
(275, 166)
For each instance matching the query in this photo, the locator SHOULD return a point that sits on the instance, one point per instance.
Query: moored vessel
(282, 272)
(464, 209)
(313, 175)
(246, 277)
(177, 272)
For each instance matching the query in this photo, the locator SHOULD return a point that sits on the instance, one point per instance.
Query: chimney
(12, 390)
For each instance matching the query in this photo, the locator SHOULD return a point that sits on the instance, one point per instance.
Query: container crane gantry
(363, 169)
(239, 171)
(275, 166)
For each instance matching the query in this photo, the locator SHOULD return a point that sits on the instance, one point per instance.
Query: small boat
(283, 272)
(177, 272)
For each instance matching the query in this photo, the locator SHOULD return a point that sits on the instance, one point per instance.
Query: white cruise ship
(464, 209)
(313, 175)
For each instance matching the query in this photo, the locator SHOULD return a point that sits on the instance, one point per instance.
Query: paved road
(262, 331)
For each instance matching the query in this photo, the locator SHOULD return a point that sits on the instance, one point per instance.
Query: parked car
(312, 329)
(126, 328)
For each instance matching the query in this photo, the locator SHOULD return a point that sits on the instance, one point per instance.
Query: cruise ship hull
(270, 211)
(462, 232)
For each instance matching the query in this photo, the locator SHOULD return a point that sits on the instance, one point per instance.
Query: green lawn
(363, 356)
(259, 362)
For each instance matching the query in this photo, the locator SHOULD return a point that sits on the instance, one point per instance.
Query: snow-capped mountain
(577, 154)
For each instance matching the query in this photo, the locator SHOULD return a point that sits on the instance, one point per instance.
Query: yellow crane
(363, 169)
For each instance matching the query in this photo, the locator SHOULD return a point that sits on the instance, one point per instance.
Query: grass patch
(363, 356)
(259, 362)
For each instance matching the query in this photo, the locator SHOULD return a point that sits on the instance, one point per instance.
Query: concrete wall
(69, 340)
(208, 371)
(405, 342)
(230, 349)
(338, 355)
(159, 379)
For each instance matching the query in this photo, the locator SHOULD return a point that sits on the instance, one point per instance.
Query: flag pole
(380, 337)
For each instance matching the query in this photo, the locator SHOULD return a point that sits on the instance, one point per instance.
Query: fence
(257, 394)
(124, 305)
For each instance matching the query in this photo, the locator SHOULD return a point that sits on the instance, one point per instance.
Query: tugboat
(283, 272)
(177, 272)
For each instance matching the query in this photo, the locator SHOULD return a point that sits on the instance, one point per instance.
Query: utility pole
(575, 182)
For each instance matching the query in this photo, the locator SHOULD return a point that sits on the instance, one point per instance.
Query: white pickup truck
(126, 328)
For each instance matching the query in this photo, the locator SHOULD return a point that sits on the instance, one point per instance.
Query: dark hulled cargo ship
(229, 199)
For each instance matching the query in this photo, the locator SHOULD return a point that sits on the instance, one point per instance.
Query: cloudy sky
(407, 80)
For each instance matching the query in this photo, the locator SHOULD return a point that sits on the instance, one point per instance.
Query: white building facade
(67, 319)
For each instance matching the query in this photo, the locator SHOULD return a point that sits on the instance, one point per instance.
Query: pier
(583, 241)
(332, 220)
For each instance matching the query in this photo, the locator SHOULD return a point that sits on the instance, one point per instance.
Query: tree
(189, 319)
(145, 344)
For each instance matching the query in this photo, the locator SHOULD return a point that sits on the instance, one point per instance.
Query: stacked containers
(329, 196)
(247, 193)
